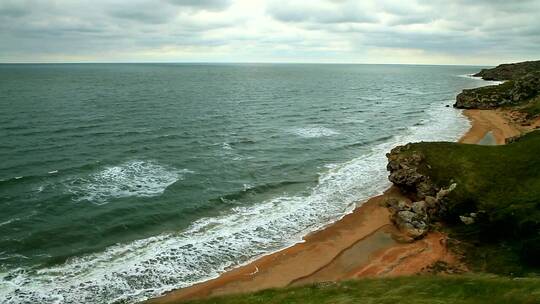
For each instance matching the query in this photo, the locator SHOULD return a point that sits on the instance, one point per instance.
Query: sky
(482, 32)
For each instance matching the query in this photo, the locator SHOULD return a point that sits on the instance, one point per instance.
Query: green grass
(503, 182)
(412, 290)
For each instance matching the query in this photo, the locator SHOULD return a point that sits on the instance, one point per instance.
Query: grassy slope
(502, 88)
(413, 290)
(531, 108)
(503, 181)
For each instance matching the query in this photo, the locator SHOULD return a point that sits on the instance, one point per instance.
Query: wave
(249, 190)
(134, 178)
(485, 82)
(149, 267)
(367, 142)
(313, 132)
(9, 221)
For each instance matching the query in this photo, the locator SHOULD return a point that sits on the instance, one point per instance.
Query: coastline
(363, 243)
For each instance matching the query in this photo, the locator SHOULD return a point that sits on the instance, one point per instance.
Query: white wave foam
(148, 267)
(9, 221)
(134, 178)
(313, 132)
(486, 82)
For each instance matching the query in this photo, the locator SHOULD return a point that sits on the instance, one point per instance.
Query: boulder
(396, 205)
(410, 223)
(413, 232)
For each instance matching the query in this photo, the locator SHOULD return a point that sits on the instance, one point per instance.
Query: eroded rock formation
(414, 218)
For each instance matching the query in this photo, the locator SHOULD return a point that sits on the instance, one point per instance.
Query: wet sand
(363, 243)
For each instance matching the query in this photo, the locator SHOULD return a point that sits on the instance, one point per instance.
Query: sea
(119, 182)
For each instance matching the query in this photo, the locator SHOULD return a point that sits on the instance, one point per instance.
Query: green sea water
(122, 181)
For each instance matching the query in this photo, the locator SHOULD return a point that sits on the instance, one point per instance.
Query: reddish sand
(361, 244)
(319, 250)
(484, 121)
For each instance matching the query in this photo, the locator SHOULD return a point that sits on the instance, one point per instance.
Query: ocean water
(119, 182)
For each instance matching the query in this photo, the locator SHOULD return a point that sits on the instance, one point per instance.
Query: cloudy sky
(342, 31)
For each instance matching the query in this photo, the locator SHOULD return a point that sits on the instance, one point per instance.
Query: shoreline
(364, 243)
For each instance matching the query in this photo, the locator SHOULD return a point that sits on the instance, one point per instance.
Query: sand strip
(484, 121)
(362, 244)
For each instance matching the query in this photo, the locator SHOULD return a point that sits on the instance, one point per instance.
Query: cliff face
(512, 92)
(406, 172)
(509, 71)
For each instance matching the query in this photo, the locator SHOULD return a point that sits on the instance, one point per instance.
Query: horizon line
(235, 62)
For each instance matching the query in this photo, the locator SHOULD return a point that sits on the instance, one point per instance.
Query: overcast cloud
(387, 31)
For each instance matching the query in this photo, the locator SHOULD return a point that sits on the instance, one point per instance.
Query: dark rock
(488, 97)
(512, 139)
(404, 172)
(406, 177)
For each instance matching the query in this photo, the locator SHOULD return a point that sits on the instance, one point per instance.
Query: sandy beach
(489, 121)
(363, 243)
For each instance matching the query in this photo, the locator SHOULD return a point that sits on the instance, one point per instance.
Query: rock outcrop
(414, 219)
(404, 172)
(512, 92)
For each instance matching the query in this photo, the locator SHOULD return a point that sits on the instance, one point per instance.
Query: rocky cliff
(510, 93)
(415, 217)
(509, 71)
